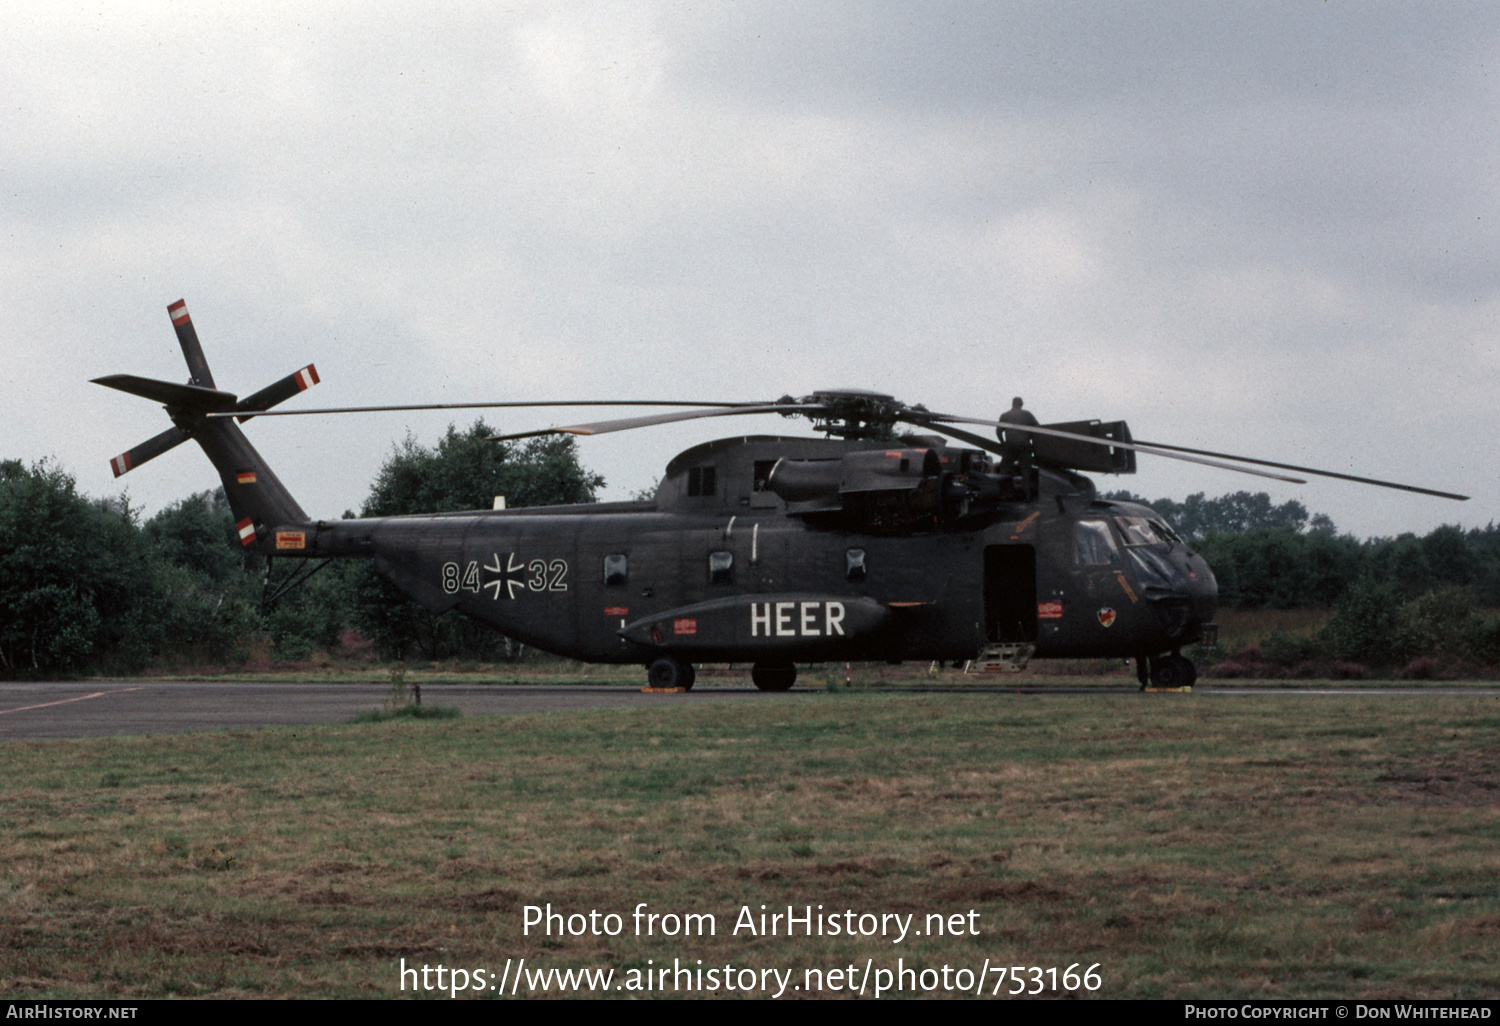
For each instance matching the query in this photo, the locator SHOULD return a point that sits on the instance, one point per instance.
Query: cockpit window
(1092, 543)
(1145, 531)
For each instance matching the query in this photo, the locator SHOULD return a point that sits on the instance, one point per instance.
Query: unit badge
(1106, 617)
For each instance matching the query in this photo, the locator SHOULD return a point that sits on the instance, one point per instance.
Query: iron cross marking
(512, 566)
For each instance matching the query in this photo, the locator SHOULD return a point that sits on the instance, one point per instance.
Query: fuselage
(884, 563)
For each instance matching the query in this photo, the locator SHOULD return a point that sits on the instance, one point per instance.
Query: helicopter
(931, 543)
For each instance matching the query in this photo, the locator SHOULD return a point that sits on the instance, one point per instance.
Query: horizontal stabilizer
(148, 450)
(169, 393)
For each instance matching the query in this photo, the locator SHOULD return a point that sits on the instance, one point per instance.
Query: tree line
(88, 585)
(1267, 556)
(1417, 606)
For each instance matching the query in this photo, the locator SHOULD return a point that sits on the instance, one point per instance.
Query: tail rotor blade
(276, 393)
(148, 450)
(187, 337)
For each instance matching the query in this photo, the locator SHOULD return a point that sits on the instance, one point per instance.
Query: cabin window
(1093, 545)
(720, 567)
(702, 481)
(763, 470)
(854, 565)
(616, 570)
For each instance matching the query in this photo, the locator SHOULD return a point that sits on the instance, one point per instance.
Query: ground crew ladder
(1004, 657)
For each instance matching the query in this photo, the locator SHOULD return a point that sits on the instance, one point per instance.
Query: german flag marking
(245, 477)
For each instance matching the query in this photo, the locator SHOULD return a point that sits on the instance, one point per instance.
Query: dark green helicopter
(860, 545)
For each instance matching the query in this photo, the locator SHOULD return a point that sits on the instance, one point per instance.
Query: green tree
(467, 470)
(212, 582)
(77, 578)
(1282, 569)
(1199, 516)
(464, 472)
(1363, 625)
(198, 532)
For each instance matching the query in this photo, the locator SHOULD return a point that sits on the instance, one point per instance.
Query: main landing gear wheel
(1172, 672)
(774, 676)
(668, 672)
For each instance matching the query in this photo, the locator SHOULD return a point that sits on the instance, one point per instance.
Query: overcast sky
(1262, 228)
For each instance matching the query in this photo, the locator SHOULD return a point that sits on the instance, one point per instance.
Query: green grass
(1194, 846)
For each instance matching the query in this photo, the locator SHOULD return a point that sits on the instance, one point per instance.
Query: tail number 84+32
(511, 574)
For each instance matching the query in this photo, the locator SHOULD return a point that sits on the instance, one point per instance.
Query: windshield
(1145, 531)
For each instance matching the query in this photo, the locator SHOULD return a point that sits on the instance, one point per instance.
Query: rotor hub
(854, 413)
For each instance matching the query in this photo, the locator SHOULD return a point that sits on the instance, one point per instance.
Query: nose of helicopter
(1202, 592)
(1181, 589)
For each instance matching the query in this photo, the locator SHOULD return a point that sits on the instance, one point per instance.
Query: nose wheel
(1166, 672)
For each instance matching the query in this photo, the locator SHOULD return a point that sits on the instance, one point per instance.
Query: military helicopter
(935, 544)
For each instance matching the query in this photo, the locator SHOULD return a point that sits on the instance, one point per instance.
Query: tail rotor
(187, 404)
(208, 416)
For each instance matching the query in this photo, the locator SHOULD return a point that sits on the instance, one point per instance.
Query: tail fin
(259, 500)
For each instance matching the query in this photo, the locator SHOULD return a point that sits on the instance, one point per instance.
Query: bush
(1441, 623)
(1363, 625)
(1229, 670)
(1424, 668)
(1292, 650)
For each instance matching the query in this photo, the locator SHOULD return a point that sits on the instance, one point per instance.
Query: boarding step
(1008, 657)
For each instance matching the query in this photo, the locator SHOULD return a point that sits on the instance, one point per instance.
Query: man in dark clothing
(1017, 444)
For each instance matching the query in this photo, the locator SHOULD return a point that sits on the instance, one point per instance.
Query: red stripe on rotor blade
(178, 312)
(307, 377)
(247, 531)
(120, 464)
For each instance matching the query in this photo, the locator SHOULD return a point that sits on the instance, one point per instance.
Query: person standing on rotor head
(1016, 458)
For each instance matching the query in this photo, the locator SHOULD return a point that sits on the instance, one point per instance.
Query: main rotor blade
(1321, 473)
(1179, 452)
(478, 406)
(604, 427)
(999, 450)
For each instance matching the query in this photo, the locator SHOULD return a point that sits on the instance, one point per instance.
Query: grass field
(1191, 846)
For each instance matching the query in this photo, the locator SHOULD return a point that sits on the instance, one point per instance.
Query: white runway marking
(65, 701)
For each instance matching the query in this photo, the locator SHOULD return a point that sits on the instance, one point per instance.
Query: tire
(1189, 672)
(1173, 672)
(668, 672)
(774, 676)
